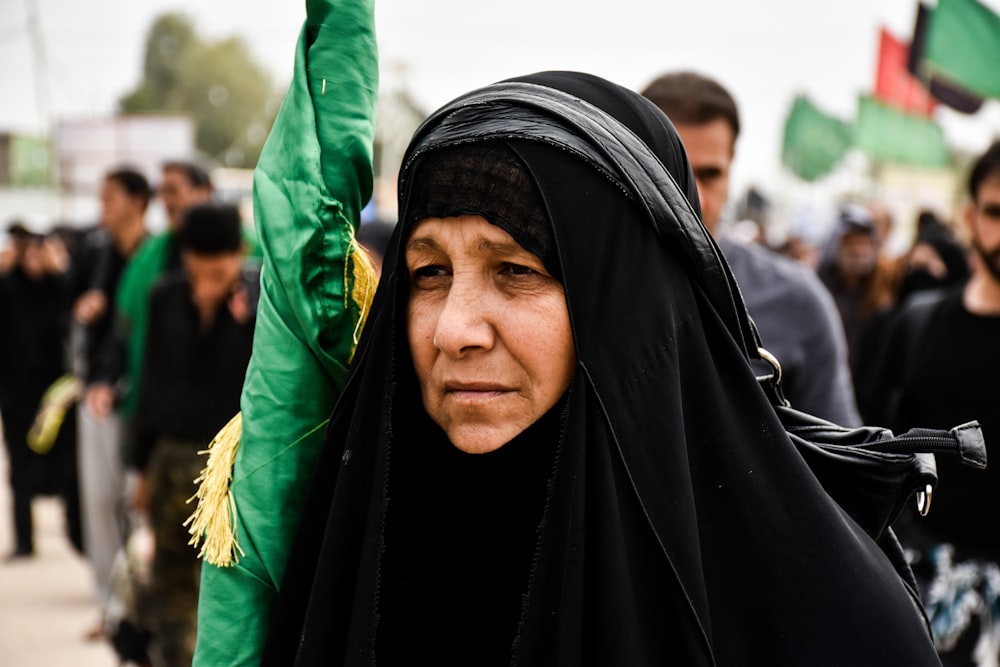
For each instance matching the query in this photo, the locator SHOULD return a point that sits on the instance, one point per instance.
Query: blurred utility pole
(40, 67)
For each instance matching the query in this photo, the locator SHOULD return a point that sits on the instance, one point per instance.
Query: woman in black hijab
(644, 505)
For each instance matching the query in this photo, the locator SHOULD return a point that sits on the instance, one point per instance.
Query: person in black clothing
(942, 363)
(551, 448)
(936, 261)
(85, 246)
(32, 356)
(196, 353)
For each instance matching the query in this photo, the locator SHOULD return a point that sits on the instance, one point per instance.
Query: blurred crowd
(123, 353)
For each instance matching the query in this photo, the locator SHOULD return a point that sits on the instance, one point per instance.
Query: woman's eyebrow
(483, 245)
(500, 247)
(418, 243)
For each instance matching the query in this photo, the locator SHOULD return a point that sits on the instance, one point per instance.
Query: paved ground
(46, 602)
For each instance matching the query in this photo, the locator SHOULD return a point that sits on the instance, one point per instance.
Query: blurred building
(86, 149)
(25, 161)
(26, 181)
(44, 183)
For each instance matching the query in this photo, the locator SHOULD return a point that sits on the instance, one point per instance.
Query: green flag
(313, 177)
(814, 142)
(889, 135)
(963, 45)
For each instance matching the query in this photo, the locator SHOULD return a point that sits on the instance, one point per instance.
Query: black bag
(870, 472)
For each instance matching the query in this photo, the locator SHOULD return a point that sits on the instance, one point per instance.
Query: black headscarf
(677, 523)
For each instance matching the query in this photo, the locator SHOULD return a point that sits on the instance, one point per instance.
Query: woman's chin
(481, 439)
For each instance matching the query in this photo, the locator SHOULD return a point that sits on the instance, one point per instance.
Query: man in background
(198, 342)
(796, 317)
(861, 285)
(182, 186)
(941, 364)
(125, 195)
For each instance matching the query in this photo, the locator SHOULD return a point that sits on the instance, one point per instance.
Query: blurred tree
(230, 96)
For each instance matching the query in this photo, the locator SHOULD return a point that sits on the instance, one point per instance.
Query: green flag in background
(313, 177)
(814, 142)
(963, 44)
(889, 135)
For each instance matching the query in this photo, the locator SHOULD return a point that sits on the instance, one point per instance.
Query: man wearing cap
(850, 269)
(201, 321)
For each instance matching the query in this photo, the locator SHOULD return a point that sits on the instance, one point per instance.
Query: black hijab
(679, 524)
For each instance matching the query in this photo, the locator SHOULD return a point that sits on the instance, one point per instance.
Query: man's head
(125, 195)
(184, 184)
(708, 122)
(882, 217)
(211, 242)
(857, 242)
(982, 214)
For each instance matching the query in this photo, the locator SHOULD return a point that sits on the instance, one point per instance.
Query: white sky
(764, 52)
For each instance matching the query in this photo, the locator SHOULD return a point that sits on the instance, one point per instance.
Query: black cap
(212, 228)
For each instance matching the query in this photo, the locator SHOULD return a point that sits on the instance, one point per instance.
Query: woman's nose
(464, 323)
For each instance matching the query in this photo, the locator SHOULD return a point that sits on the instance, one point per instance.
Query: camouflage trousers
(168, 605)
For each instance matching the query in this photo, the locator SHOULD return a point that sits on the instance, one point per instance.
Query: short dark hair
(688, 98)
(132, 182)
(195, 174)
(987, 165)
(18, 230)
(212, 228)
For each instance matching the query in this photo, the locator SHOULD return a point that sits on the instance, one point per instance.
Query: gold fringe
(362, 281)
(214, 518)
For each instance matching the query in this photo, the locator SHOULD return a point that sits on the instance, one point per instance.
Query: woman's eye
(429, 276)
(517, 269)
(429, 270)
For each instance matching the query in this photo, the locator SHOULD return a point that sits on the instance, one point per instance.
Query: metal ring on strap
(924, 500)
(773, 360)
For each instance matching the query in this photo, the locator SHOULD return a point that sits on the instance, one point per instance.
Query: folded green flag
(814, 142)
(963, 44)
(889, 135)
(313, 177)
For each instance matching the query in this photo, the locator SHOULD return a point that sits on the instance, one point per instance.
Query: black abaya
(680, 525)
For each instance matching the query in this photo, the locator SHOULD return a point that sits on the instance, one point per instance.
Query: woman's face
(489, 331)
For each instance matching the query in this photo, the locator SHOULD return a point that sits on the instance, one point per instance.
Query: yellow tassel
(58, 399)
(214, 518)
(359, 273)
